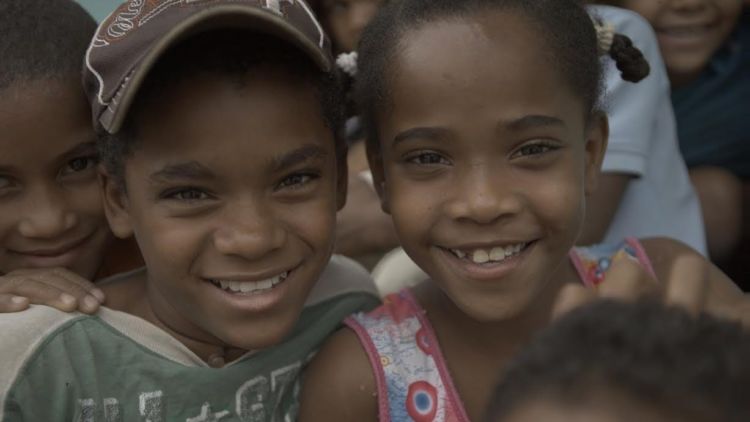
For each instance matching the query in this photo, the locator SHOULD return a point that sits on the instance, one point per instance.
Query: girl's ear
(375, 160)
(115, 205)
(597, 136)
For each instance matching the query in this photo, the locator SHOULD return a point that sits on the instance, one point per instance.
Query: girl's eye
(4, 182)
(534, 149)
(80, 164)
(296, 181)
(187, 195)
(427, 158)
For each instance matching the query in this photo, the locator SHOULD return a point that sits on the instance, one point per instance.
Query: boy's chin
(259, 335)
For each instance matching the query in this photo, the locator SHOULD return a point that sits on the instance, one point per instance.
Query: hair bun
(630, 60)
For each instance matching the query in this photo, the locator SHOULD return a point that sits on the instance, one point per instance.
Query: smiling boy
(222, 158)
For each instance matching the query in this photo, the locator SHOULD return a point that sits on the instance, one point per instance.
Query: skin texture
(346, 19)
(51, 215)
(462, 168)
(689, 31)
(224, 185)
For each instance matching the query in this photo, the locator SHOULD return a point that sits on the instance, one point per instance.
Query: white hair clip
(605, 34)
(347, 62)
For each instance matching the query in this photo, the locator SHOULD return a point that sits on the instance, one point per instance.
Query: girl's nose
(47, 216)
(483, 197)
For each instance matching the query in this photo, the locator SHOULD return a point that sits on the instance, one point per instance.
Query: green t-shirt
(115, 367)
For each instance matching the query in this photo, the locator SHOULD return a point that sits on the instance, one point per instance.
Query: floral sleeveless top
(411, 374)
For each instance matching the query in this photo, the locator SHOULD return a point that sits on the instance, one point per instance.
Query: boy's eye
(427, 158)
(534, 149)
(80, 164)
(186, 195)
(296, 181)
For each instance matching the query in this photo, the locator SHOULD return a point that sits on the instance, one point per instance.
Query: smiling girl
(485, 138)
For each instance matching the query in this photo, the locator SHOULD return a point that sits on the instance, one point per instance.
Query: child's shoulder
(330, 393)
(23, 335)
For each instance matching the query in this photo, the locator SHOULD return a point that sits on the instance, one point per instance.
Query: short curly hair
(697, 368)
(226, 53)
(42, 39)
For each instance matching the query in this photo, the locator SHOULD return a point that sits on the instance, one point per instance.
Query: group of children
(217, 145)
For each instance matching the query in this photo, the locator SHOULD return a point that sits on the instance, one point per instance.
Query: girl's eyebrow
(530, 122)
(424, 133)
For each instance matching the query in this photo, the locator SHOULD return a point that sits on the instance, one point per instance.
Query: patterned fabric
(593, 262)
(412, 377)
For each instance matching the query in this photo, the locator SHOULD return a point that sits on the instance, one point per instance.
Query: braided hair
(632, 65)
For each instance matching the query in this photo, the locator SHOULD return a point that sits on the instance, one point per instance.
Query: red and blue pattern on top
(410, 372)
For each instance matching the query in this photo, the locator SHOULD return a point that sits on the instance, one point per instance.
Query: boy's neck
(135, 296)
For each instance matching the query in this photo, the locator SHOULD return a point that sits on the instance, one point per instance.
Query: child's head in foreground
(223, 160)
(484, 136)
(689, 32)
(613, 361)
(50, 206)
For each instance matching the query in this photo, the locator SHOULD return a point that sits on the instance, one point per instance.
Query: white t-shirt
(659, 200)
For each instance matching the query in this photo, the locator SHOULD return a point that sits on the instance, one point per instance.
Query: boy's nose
(483, 197)
(250, 233)
(47, 216)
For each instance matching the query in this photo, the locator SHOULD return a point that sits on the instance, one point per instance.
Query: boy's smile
(486, 161)
(231, 193)
(51, 213)
(689, 32)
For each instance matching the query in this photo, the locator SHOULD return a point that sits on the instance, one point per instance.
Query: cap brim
(218, 17)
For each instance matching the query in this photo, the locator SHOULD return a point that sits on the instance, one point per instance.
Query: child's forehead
(479, 66)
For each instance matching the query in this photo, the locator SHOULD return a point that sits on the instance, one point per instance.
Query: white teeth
(250, 286)
(480, 256)
(496, 254)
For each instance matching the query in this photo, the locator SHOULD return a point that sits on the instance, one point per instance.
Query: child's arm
(56, 287)
(685, 279)
(339, 385)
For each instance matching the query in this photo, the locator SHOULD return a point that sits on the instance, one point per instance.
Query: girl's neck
(496, 337)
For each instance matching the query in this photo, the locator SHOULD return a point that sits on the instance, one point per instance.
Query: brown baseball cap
(130, 41)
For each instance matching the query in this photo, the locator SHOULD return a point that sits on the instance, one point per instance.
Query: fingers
(626, 280)
(687, 286)
(60, 289)
(12, 303)
(85, 285)
(571, 296)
